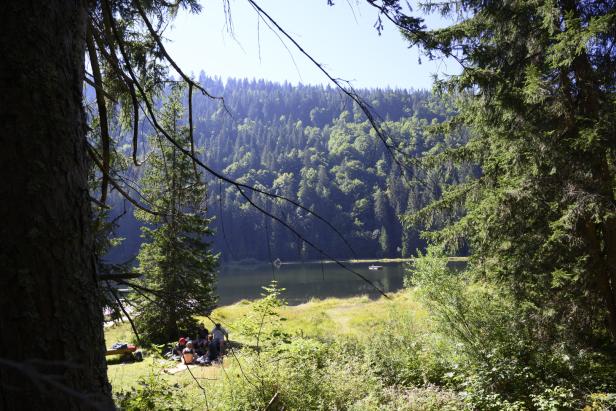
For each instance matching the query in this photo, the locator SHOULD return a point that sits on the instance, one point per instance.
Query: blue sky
(341, 37)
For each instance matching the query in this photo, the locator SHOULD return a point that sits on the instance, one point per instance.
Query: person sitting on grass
(219, 334)
(176, 353)
(213, 350)
(202, 333)
(188, 354)
(201, 340)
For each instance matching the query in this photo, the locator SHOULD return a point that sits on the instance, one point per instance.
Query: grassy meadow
(445, 346)
(320, 326)
(331, 318)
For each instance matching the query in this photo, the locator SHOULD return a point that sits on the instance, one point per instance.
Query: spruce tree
(175, 259)
(536, 92)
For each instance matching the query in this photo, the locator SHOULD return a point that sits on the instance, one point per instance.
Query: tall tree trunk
(51, 339)
(598, 266)
(610, 272)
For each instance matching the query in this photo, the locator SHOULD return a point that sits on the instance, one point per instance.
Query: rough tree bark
(51, 336)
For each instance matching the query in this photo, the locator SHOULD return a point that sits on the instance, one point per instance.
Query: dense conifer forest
(111, 151)
(309, 144)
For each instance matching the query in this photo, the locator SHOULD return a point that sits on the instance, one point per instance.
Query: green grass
(327, 319)
(126, 375)
(118, 333)
(331, 318)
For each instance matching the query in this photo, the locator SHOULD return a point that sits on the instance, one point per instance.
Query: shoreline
(234, 264)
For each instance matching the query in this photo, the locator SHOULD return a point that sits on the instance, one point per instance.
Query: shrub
(427, 398)
(504, 363)
(152, 393)
(403, 352)
(305, 374)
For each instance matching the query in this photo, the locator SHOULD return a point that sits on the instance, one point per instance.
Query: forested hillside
(510, 162)
(309, 144)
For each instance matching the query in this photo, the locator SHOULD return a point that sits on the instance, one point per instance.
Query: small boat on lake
(375, 267)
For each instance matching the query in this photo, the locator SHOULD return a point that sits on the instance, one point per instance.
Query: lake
(304, 281)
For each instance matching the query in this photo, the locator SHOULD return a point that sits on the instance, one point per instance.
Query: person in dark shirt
(202, 332)
(213, 350)
(201, 340)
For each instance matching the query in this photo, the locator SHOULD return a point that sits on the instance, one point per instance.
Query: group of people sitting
(205, 349)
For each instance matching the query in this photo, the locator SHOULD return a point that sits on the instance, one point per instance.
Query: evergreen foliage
(537, 94)
(175, 259)
(500, 362)
(309, 144)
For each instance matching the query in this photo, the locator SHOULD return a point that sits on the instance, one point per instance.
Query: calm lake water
(307, 280)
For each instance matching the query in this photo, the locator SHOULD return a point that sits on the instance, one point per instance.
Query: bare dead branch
(135, 124)
(269, 250)
(141, 291)
(177, 68)
(277, 34)
(199, 385)
(98, 203)
(365, 108)
(222, 221)
(397, 17)
(191, 130)
(117, 276)
(239, 186)
(113, 61)
(186, 152)
(124, 194)
(128, 317)
(271, 402)
(97, 88)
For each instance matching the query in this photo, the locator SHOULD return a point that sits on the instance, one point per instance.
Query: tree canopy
(310, 145)
(537, 95)
(174, 260)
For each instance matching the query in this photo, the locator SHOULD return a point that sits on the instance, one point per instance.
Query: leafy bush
(503, 362)
(304, 374)
(466, 346)
(601, 402)
(263, 323)
(427, 398)
(152, 393)
(403, 352)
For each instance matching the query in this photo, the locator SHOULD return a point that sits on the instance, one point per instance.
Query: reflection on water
(305, 281)
(308, 280)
